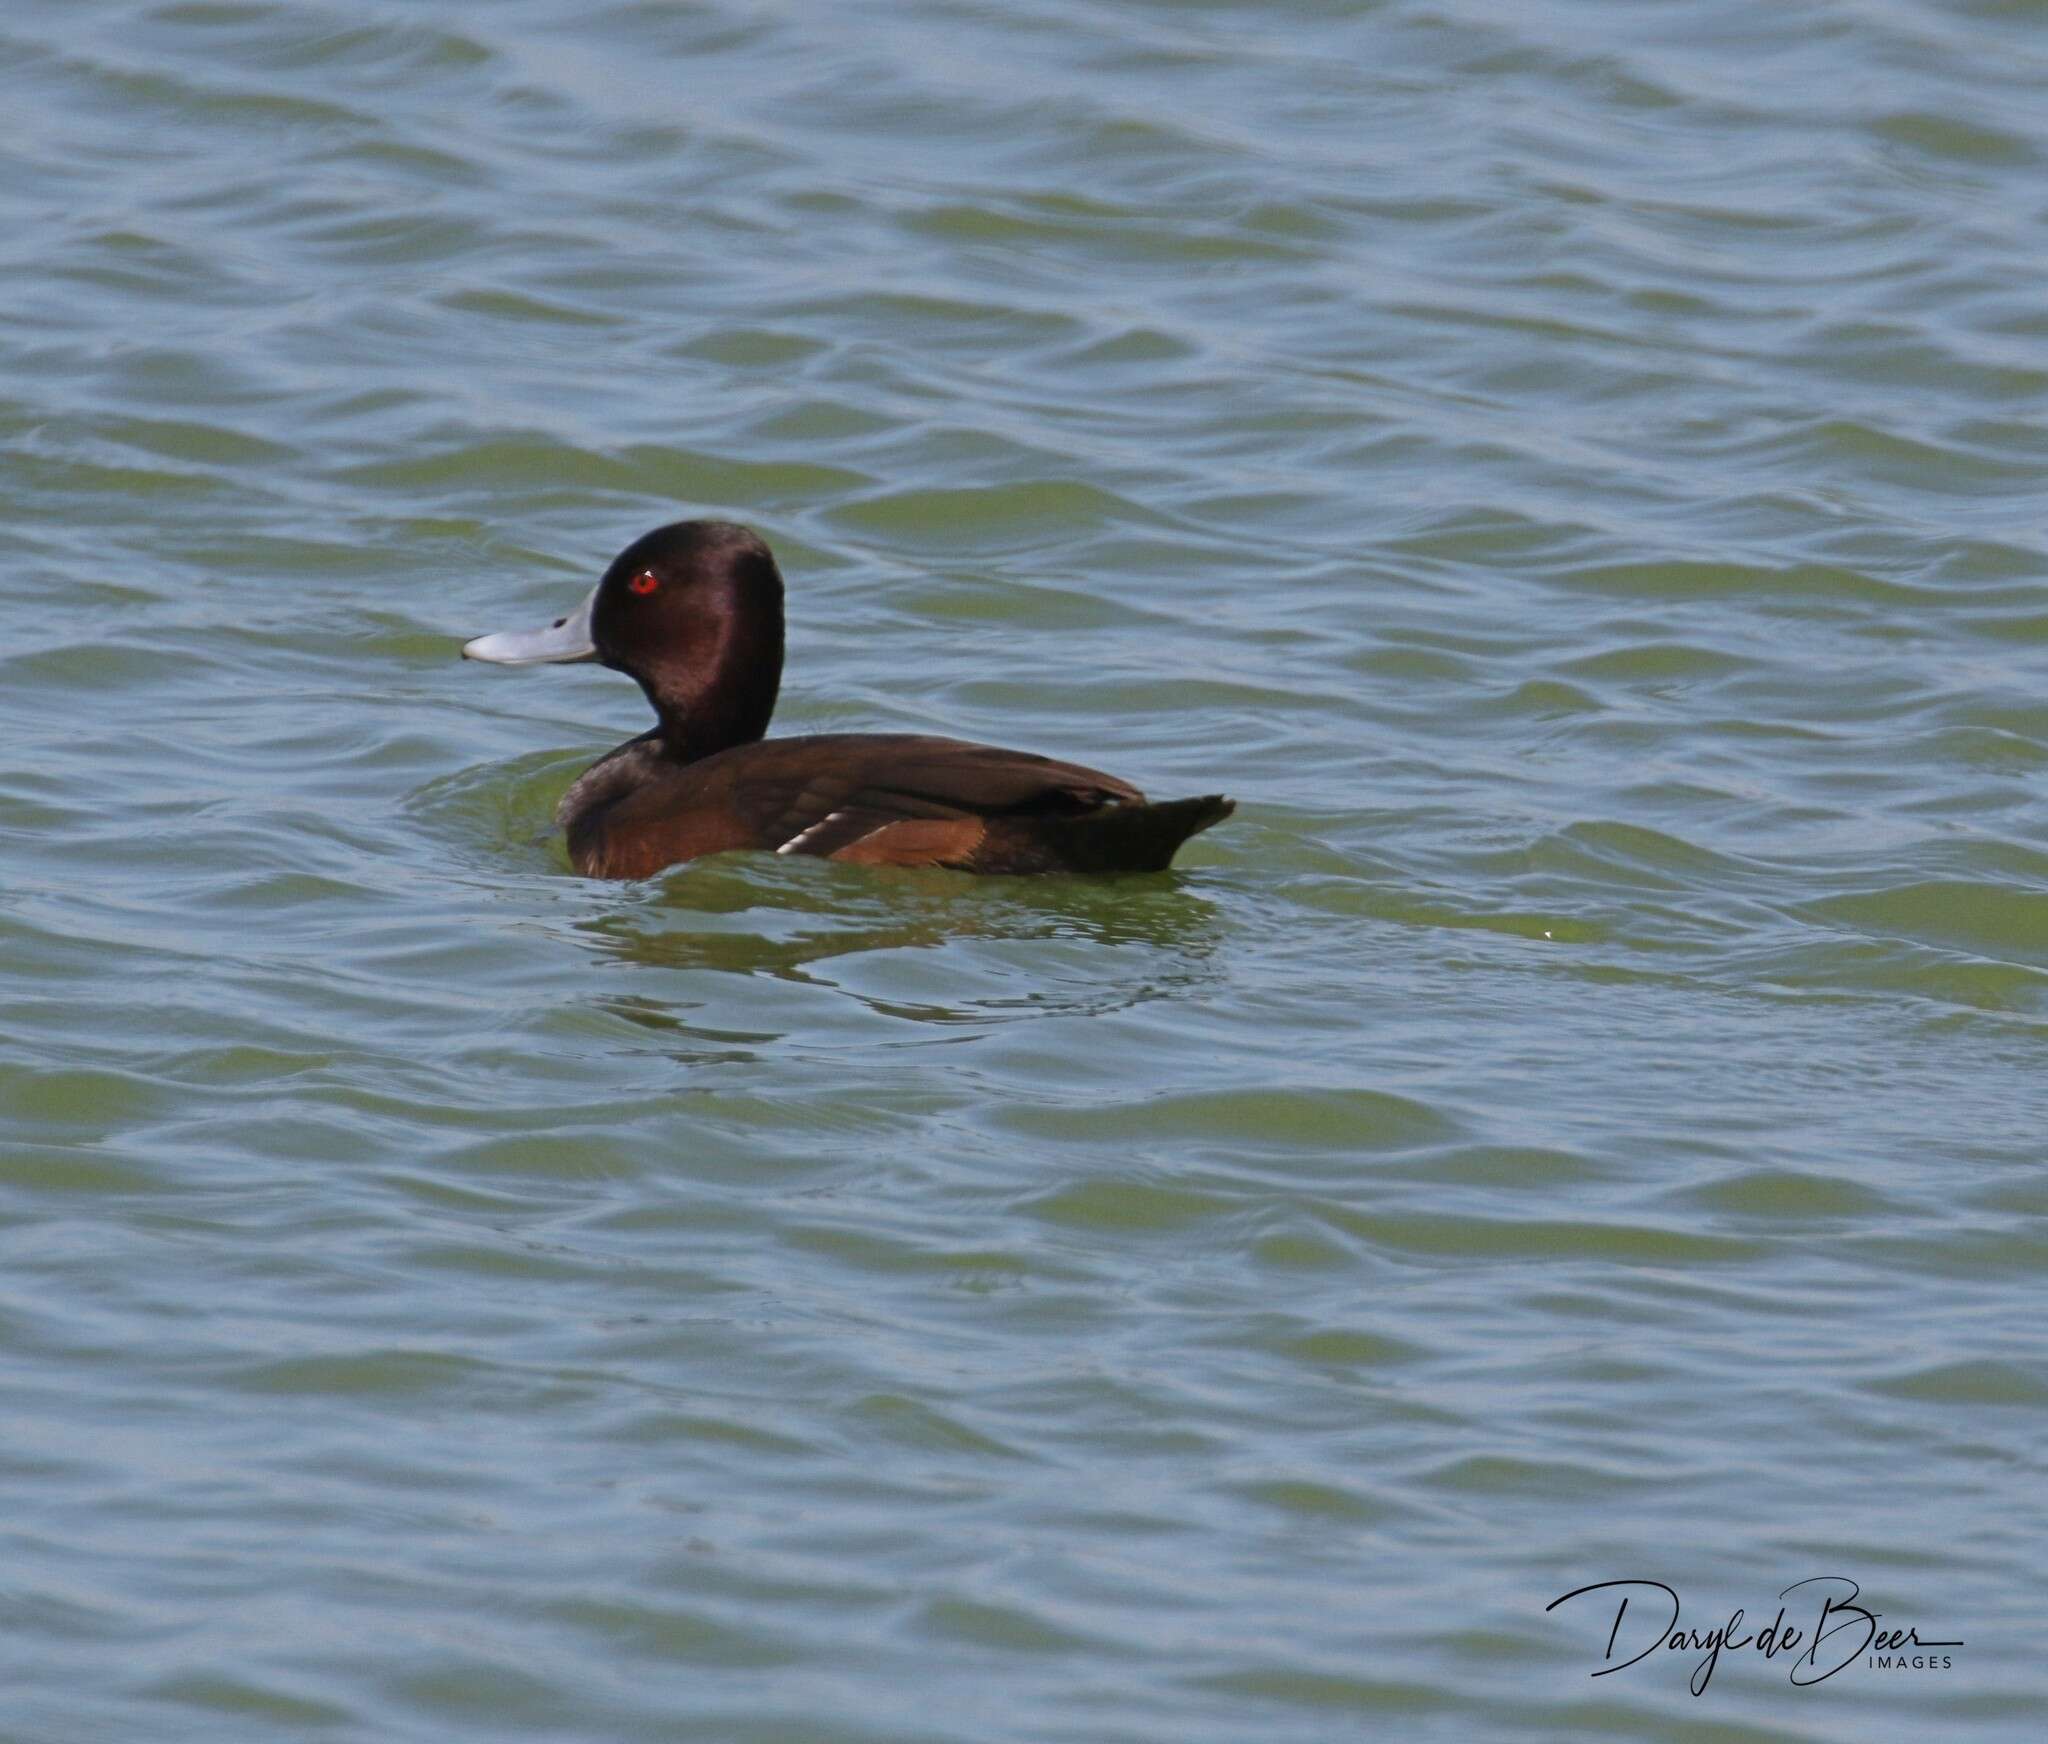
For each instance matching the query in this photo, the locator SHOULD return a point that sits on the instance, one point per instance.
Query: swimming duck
(693, 613)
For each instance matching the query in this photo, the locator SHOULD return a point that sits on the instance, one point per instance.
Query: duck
(693, 613)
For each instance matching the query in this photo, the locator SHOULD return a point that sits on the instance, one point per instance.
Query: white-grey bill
(565, 639)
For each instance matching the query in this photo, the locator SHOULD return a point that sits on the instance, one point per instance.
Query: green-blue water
(1573, 470)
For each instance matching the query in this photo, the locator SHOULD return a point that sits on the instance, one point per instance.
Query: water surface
(1572, 470)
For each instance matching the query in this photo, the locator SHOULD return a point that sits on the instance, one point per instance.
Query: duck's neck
(725, 695)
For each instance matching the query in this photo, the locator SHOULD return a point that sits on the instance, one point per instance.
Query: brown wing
(824, 794)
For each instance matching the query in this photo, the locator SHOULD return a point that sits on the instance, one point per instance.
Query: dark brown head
(693, 613)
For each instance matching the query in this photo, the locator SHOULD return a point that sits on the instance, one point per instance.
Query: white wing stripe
(804, 835)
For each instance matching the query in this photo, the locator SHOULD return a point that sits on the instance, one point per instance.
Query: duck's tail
(1115, 838)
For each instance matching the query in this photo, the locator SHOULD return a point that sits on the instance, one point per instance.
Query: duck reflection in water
(848, 934)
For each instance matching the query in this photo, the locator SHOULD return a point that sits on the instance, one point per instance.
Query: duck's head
(691, 611)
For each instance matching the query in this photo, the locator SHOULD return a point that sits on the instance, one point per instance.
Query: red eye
(645, 582)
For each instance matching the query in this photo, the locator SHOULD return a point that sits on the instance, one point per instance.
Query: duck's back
(889, 799)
